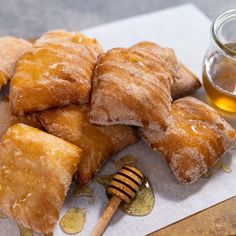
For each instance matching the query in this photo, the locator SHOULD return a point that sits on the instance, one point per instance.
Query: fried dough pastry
(185, 82)
(97, 142)
(11, 49)
(54, 74)
(57, 36)
(7, 119)
(36, 170)
(197, 137)
(133, 86)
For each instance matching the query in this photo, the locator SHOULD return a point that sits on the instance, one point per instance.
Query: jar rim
(217, 23)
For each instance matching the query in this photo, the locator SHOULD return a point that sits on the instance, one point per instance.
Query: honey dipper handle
(106, 216)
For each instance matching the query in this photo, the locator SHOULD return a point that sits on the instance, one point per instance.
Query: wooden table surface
(219, 220)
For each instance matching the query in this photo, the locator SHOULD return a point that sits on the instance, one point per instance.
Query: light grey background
(29, 18)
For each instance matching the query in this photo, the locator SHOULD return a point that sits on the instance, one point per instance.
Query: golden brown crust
(196, 138)
(31, 119)
(185, 82)
(98, 142)
(52, 75)
(11, 49)
(3, 79)
(132, 86)
(153, 50)
(60, 35)
(7, 119)
(36, 170)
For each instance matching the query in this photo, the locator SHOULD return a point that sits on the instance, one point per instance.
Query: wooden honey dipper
(123, 187)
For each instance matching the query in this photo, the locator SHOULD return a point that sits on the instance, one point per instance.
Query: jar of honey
(219, 66)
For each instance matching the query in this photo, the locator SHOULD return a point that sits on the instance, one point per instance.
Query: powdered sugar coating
(185, 82)
(11, 49)
(7, 119)
(54, 74)
(97, 142)
(132, 86)
(197, 137)
(61, 35)
(36, 170)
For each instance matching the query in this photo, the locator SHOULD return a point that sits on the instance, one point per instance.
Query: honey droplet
(104, 180)
(84, 192)
(73, 221)
(128, 159)
(24, 231)
(207, 175)
(143, 202)
(217, 165)
(226, 168)
(2, 215)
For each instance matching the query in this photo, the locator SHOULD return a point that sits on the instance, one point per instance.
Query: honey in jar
(219, 68)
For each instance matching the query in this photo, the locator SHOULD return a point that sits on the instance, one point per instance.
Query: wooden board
(219, 220)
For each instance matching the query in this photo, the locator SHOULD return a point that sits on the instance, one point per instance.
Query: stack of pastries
(71, 106)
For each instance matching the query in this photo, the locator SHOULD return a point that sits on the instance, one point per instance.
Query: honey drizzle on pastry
(185, 82)
(11, 49)
(194, 141)
(98, 142)
(36, 170)
(56, 73)
(7, 119)
(132, 86)
(56, 36)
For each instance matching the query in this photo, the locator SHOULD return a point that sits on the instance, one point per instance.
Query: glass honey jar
(219, 66)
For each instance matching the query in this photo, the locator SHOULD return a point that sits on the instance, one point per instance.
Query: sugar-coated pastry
(7, 119)
(185, 82)
(11, 49)
(97, 142)
(133, 86)
(30, 119)
(53, 75)
(36, 170)
(197, 137)
(60, 35)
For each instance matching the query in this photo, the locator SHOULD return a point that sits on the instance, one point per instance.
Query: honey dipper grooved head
(125, 184)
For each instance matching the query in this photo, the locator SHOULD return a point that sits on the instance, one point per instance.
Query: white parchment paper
(186, 30)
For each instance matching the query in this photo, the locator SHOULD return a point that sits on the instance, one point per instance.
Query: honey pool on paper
(83, 192)
(73, 221)
(128, 159)
(24, 231)
(218, 165)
